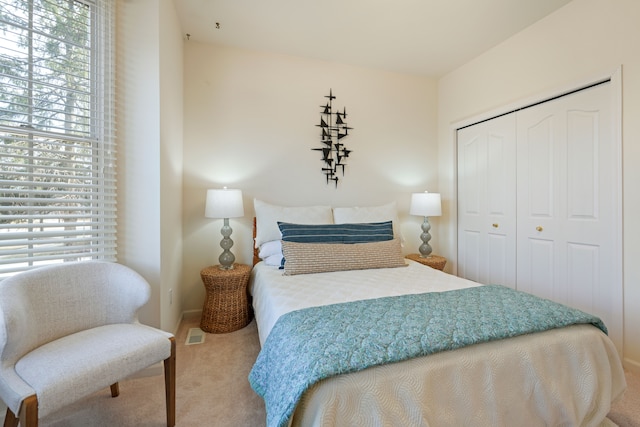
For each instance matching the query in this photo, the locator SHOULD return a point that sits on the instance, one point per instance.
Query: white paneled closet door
(567, 204)
(539, 202)
(487, 201)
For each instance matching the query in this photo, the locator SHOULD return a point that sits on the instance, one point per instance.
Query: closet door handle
(538, 228)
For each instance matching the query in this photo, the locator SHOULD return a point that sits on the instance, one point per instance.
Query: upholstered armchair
(71, 329)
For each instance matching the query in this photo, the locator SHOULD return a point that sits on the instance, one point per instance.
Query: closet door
(567, 196)
(486, 201)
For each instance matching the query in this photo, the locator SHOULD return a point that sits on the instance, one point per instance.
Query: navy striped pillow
(337, 233)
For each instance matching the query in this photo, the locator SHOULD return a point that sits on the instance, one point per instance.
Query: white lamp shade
(224, 203)
(425, 204)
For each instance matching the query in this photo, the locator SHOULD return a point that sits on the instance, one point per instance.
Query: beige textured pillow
(305, 258)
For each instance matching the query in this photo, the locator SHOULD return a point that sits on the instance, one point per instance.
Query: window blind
(57, 152)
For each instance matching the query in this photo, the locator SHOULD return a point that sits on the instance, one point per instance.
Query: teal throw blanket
(312, 344)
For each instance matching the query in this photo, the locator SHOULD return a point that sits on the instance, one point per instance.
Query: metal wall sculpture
(334, 128)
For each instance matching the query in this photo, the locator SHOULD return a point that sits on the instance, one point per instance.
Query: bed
(566, 375)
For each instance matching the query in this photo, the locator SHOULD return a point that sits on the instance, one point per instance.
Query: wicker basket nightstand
(226, 307)
(434, 261)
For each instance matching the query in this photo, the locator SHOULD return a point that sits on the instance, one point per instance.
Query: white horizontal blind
(57, 153)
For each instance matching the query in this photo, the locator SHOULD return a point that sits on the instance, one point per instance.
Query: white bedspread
(560, 377)
(275, 294)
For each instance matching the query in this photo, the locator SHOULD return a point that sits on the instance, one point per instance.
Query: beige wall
(171, 165)
(584, 40)
(249, 121)
(149, 115)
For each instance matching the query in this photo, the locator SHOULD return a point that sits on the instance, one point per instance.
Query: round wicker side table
(434, 261)
(226, 306)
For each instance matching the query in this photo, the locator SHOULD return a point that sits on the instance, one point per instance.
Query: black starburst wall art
(334, 128)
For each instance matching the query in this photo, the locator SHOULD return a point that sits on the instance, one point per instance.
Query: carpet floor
(212, 390)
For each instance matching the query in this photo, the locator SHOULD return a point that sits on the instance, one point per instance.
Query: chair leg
(10, 419)
(28, 414)
(115, 390)
(170, 384)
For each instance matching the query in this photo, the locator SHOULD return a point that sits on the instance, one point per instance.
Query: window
(57, 154)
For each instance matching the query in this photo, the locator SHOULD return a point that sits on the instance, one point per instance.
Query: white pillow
(268, 215)
(274, 247)
(387, 212)
(274, 260)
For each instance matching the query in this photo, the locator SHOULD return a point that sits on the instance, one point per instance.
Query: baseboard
(176, 327)
(631, 365)
(190, 314)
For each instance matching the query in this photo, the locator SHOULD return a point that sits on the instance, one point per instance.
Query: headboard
(256, 258)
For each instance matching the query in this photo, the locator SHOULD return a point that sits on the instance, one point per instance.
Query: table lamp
(425, 204)
(224, 203)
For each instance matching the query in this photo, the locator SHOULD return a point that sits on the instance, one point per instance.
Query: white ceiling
(427, 37)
